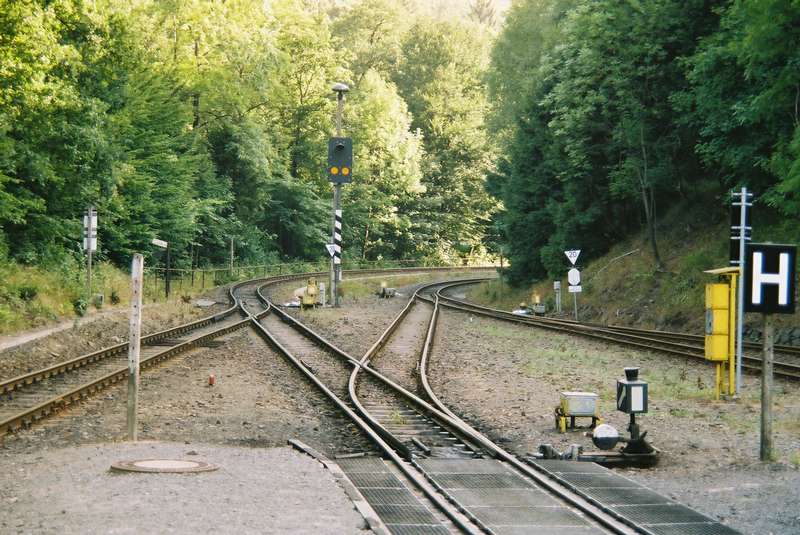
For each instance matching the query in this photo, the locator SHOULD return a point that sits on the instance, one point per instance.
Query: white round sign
(574, 277)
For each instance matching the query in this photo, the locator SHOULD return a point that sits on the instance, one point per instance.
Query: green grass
(32, 296)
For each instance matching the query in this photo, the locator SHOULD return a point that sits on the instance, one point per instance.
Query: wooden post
(203, 279)
(230, 265)
(167, 275)
(766, 389)
(137, 267)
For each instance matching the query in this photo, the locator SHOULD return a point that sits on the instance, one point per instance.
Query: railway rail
(464, 475)
(787, 363)
(461, 480)
(30, 397)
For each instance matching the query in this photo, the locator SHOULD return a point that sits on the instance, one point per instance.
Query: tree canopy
(201, 121)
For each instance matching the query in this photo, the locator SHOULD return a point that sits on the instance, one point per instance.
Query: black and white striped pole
(340, 165)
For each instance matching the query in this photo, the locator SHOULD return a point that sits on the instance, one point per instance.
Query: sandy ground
(254, 490)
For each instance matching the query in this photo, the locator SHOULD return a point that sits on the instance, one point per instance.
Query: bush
(27, 292)
(79, 305)
(114, 297)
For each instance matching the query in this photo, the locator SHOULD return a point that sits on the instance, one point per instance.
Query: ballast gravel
(255, 490)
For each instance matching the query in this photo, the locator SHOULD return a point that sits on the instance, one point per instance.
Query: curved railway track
(787, 363)
(389, 398)
(28, 398)
(461, 480)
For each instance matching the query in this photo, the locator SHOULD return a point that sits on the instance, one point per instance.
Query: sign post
(134, 340)
(164, 245)
(557, 288)
(89, 244)
(574, 277)
(741, 230)
(340, 169)
(769, 283)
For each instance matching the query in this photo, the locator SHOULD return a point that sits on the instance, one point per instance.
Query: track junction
(427, 471)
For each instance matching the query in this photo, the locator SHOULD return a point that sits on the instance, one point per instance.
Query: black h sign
(340, 160)
(769, 278)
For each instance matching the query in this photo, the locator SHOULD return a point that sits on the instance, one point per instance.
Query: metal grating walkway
(394, 503)
(500, 500)
(630, 501)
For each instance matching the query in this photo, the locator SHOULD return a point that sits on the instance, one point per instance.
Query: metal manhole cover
(164, 466)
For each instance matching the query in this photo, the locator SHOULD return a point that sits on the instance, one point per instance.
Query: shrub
(79, 305)
(114, 297)
(27, 292)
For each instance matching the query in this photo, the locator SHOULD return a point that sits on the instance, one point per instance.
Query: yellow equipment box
(717, 322)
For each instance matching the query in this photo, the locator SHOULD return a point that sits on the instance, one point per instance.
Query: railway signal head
(340, 160)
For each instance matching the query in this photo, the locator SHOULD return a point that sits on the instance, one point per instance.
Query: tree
(439, 78)
(483, 12)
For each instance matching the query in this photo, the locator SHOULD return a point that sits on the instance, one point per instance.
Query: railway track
(463, 475)
(442, 476)
(31, 397)
(28, 398)
(787, 363)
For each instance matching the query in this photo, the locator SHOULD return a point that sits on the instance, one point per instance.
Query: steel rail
(376, 436)
(607, 519)
(458, 428)
(18, 382)
(384, 337)
(56, 403)
(652, 342)
(21, 381)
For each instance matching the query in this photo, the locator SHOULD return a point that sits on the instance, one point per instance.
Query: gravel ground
(104, 331)
(506, 379)
(255, 490)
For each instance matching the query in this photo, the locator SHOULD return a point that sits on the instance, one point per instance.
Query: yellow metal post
(732, 329)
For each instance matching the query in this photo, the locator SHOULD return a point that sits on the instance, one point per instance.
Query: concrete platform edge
(362, 506)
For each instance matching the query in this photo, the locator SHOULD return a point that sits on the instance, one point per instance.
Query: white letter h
(781, 278)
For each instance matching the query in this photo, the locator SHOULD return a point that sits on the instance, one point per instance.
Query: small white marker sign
(574, 277)
(575, 289)
(331, 249)
(159, 243)
(573, 255)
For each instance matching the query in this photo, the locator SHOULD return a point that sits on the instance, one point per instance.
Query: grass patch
(555, 356)
(396, 418)
(33, 296)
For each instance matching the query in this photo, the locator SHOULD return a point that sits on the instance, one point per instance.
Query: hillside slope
(623, 288)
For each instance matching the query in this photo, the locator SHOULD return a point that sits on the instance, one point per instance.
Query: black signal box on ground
(340, 160)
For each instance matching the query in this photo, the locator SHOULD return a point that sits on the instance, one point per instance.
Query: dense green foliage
(202, 121)
(609, 113)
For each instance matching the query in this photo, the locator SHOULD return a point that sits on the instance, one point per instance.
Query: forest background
(478, 127)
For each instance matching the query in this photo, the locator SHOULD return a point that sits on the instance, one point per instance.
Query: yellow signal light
(345, 171)
(334, 170)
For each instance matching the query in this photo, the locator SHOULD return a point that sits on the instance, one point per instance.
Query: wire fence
(191, 280)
